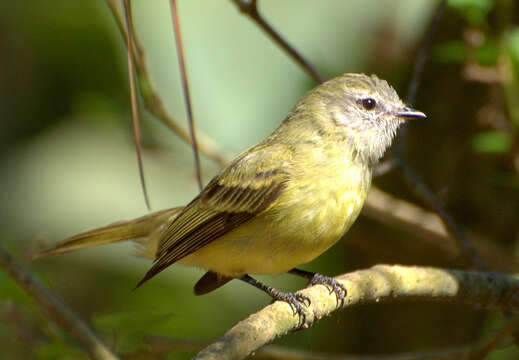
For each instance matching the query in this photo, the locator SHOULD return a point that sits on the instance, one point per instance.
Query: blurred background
(68, 163)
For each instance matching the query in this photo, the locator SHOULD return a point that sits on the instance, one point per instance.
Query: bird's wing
(241, 191)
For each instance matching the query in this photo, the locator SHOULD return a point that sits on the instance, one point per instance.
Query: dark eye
(369, 103)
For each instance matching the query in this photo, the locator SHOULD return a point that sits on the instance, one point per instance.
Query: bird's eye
(369, 103)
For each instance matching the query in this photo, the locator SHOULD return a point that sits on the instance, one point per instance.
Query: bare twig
(421, 58)
(250, 8)
(414, 83)
(429, 227)
(433, 202)
(135, 111)
(380, 283)
(13, 315)
(418, 68)
(185, 87)
(154, 104)
(55, 308)
(485, 347)
(410, 97)
(399, 162)
(137, 51)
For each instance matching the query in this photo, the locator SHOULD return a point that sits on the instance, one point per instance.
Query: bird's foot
(295, 300)
(315, 278)
(335, 287)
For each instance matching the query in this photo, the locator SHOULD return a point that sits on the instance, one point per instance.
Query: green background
(67, 158)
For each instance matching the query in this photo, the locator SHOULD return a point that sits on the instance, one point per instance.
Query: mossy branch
(377, 284)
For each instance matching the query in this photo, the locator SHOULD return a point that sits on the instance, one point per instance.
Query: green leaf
(491, 142)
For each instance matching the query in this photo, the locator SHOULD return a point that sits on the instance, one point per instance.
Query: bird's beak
(408, 113)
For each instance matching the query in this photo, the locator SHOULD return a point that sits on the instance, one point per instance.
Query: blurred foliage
(491, 142)
(67, 159)
(474, 11)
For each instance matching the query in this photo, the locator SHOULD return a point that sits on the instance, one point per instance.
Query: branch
(429, 227)
(434, 203)
(185, 88)
(416, 76)
(55, 308)
(380, 283)
(133, 97)
(398, 160)
(250, 8)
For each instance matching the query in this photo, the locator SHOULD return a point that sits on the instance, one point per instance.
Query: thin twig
(154, 104)
(423, 54)
(56, 309)
(185, 87)
(250, 8)
(135, 111)
(12, 315)
(430, 229)
(418, 68)
(137, 51)
(399, 162)
(380, 283)
(433, 203)
(511, 326)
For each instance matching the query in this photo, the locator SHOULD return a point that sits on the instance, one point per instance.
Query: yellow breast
(311, 214)
(326, 206)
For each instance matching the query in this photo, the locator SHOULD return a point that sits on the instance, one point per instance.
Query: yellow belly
(299, 226)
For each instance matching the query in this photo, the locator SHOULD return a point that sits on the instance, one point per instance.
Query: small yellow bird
(280, 203)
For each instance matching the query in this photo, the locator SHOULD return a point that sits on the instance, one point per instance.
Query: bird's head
(362, 111)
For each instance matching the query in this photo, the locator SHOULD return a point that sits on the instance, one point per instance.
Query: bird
(280, 203)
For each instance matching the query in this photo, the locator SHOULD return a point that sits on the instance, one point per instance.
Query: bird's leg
(296, 301)
(315, 278)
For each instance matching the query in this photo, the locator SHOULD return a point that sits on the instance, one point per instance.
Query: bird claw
(296, 302)
(304, 299)
(334, 286)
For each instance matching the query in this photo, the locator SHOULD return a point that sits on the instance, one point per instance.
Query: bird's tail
(144, 231)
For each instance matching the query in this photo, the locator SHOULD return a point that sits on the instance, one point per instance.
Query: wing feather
(241, 191)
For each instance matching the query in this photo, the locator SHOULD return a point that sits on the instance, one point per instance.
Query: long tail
(143, 230)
